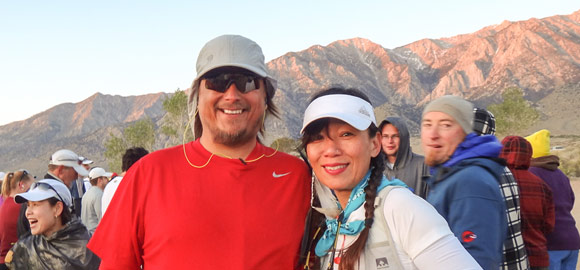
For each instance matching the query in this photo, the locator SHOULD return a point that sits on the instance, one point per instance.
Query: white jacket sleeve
(422, 236)
(445, 253)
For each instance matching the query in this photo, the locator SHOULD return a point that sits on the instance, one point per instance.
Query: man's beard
(236, 138)
(432, 160)
(233, 139)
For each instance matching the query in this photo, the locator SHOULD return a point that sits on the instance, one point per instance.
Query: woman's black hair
(352, 254)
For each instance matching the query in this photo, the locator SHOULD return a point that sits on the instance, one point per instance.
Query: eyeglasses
(46, 186)
(221, 82)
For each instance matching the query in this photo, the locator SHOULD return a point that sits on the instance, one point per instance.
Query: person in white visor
(371, 222)
(58, 240)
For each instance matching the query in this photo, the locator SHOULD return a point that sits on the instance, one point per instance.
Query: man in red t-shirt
(222, 201)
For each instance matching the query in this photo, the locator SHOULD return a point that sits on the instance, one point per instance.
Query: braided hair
(352, 254)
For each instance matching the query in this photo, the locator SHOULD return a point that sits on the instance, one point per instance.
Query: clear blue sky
(52, 52)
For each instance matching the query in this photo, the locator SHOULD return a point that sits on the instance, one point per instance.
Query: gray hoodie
(409, 167)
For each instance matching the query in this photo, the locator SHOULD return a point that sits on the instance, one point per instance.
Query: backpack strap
(380, 251)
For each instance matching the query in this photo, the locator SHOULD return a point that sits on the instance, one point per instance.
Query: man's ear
(58, 170)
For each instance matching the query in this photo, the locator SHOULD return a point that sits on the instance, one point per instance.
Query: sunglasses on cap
(221, 82)
(45, 186)
(78, 161)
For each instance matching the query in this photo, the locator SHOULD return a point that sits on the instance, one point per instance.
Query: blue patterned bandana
(357, 198)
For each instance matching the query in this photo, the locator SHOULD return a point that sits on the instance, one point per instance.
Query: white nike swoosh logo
(275, 175)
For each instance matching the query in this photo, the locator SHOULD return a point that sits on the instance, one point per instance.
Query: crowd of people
(359, 199)
(43, 225)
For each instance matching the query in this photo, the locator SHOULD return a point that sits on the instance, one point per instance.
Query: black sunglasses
(48, 186)
(78, 161)
(24, 173)
(221, 82)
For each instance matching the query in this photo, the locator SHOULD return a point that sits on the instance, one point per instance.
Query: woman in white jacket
(371, 222)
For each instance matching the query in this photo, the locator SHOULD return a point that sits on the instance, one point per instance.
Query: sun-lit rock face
(541, 56)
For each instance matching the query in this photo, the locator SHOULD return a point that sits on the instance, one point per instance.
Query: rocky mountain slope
(82, 127)
(537, 55)
(541, 56)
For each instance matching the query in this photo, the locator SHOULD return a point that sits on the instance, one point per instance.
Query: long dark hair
(352, 254)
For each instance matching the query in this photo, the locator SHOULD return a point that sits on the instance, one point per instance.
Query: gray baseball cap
(457, 107)
(229, 51)
(232, 51)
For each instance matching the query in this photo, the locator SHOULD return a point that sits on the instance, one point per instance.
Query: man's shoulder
(282, 164)
(159, 158)
(472, 172)
(475, 178)
(113, 184)
(163, 154)
(492, 167)
(283, 158)
(417, 160)
(92, 194)
(417, 156)
(287, 157)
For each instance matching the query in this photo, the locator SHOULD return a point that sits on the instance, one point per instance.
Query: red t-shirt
(9, 212)
(167, 214)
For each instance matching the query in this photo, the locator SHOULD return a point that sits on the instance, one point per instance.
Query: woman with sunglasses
(371, 222)
(13, 183)
(58, 240)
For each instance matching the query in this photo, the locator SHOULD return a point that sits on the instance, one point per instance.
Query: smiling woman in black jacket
(58, 239)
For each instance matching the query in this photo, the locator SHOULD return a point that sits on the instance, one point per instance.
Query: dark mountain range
(541, 56)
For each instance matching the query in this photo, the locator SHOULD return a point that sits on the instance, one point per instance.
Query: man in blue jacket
(464, 183)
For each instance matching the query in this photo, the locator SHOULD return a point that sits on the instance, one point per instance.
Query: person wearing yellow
(564, 241)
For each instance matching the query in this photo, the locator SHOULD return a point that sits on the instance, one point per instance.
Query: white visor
(46, 189)
(353, 110)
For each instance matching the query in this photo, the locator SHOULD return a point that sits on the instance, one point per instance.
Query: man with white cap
(91, 209)
(222, 201)
(64, 166)
(84, 180)
(464, 183)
